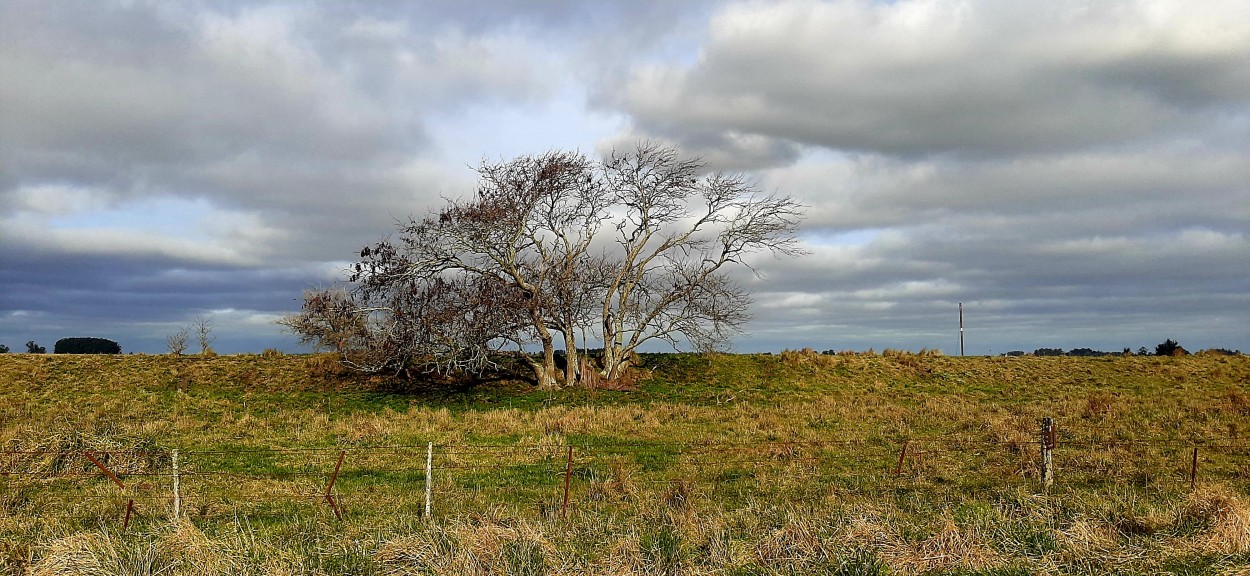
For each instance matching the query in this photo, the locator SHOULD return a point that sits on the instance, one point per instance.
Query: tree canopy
(1170, 347)
(86, 346)
(619, 252)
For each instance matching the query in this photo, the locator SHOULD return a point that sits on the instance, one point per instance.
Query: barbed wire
(1065, 436)
(792, 457)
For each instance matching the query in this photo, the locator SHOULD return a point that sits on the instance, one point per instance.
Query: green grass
(723, 464)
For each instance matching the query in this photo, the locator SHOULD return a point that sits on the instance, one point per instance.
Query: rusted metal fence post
(1193, 471)
(130, 504)
(333, 478)
(902, 455)
(105, 469)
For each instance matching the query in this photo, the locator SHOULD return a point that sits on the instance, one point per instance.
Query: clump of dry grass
(619, 486)
(189, 550)
(867, 527)
(1237, 402)
(175, 549)
(1099, 406)
(324, 366)
(63, 450)
(490, 543)
(679, 494)
(795, 543)
(1226, 517)
(923, 353)
(15, 558)
(81, 554)
(949, 548)
(363, 429)
(807, 357)
(1086, 537)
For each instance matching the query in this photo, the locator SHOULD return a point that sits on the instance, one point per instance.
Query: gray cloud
(978, 79)
(293, 135)
(263, 107)
(1074, 173)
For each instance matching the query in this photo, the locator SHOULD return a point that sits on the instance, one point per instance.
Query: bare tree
(177, 342)
(678, 231)
(525, 259)
(528, 227)
(438, 324)
(203, 328)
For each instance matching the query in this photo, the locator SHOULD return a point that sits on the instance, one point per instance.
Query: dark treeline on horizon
(1168, 347)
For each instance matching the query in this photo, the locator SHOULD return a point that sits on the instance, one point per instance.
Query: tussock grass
(724, 464)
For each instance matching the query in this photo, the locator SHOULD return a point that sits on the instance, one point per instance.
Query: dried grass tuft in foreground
(950, 548)
(1225, 516)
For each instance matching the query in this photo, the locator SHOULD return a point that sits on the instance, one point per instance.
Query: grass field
(727, 464)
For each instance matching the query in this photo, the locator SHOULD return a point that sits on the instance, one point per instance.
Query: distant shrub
(86, 346)
(1219, 352)
(271, 353)
(1170, 347)
(1048, 352)
(1089, 352)
(33, 348)
(1015, 353)
(4, 349)
(326, 365)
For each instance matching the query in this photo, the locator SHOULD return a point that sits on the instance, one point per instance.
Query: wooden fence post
(177, 487)
(1048, 448)
(568, 473)
(429, 481)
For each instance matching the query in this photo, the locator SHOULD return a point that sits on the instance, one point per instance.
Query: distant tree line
(72, 346)
(1168, 347)
(1073, 352)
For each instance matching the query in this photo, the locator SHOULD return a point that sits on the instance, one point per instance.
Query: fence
(552, 478)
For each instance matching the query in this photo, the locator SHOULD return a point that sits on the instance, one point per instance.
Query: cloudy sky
(1076, 173)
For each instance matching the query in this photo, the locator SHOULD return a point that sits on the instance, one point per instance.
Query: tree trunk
(618, 367)
(546, 372)
(615, 361)
(571, 360)
(611, 348)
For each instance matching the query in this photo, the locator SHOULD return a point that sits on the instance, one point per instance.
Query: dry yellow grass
(733, 464)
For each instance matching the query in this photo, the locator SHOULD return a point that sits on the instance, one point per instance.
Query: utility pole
(961, 328)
